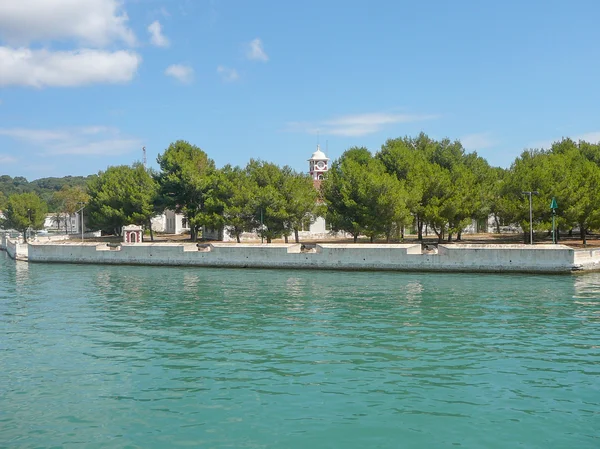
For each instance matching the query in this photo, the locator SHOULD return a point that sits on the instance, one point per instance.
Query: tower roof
(318, 155)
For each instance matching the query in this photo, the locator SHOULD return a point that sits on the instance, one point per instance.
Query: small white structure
(132, 234)
(175, 223)
(318, 165)
(170, 222)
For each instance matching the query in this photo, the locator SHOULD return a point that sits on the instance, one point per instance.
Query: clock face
(321, 165)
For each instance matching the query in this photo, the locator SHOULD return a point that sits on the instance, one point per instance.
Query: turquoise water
(150, 357)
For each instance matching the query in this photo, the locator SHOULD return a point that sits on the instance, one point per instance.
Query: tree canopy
(119, 196)
(416, 181)
(24, 211)
(187, 184)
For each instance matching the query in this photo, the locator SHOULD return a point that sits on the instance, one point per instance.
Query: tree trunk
(497, 223)
(419, 229)
(557, 234)
(268, 239)
(526, 237)
(25, 236)
(296, 236)
(459, 236)
(237, 237)
(371, 239)
(440, 235)
(582, 233)
(402, 234)
(151, 231)
(387, 238)
(285, 238)
(449, 237)
(355, 238)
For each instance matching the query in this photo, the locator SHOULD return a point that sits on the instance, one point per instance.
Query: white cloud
(591, 137)
(6, 159)
(166, 14)
(356, 125)
(157, 38)
(180, 72)
(93, 22)
(476, 142)
(227, 74)
(41, 68)
(90, 140)
(256, 52)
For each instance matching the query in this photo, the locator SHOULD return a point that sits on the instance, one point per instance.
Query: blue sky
(84, 85)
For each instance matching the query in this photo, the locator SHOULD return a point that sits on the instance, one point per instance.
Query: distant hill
(44, 187)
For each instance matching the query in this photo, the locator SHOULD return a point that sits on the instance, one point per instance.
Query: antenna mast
(144, 158)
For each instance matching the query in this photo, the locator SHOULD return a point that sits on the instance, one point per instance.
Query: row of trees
(275, 201)
(431, 183)
(417, 181)
(23, 211)
(45, 188)
(438, 184)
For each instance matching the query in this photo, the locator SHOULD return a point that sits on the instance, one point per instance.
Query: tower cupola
(318, 164)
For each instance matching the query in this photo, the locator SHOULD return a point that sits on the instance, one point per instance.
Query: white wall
(318, 227)
(174, 223)
(159, 223)
(489, 258)
(15, 249)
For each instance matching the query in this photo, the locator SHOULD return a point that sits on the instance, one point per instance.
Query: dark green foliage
(25, 210)
(188, 183)
(362, 198)
(45, 188)
(120, 196)
(429, 182)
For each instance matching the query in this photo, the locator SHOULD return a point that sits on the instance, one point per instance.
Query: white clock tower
(318, 164)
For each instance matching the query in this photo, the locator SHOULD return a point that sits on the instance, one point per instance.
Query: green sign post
(553, 206)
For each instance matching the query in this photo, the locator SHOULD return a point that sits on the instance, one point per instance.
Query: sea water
(153, 357)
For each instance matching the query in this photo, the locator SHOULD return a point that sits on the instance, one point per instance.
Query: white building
(170, 222)
(62, 223)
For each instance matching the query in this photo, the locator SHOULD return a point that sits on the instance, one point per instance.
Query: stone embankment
(14, 247)
(395, 257)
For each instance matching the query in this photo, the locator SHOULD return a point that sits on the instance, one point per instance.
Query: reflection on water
(171, 357)
(21, 273)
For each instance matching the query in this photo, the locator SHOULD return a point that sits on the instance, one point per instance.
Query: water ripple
(115, 357)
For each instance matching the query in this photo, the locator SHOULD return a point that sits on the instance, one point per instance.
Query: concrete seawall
(397, 257)
(13, 247)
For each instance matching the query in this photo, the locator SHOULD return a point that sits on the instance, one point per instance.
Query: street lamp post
(533, 192)
(262, 227)
(81, 210)
(29, 228)
(554, 206)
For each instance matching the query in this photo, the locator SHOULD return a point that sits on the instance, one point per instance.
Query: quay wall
(399, 257)
(15, 249)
